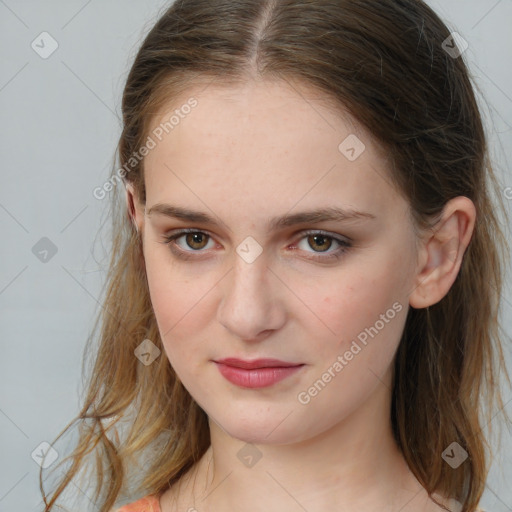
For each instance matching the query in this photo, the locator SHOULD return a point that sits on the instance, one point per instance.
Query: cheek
(367, 311)
(367, 305)
(179, 299)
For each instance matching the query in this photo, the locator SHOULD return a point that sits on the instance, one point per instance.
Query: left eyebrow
(307, 217)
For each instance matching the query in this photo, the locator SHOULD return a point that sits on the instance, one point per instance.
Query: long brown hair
(387, 63)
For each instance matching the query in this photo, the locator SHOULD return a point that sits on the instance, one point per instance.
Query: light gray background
(58, 136)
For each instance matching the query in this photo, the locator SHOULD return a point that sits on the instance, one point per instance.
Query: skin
(243, 155)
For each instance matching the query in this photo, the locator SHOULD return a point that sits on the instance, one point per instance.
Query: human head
(384, 63)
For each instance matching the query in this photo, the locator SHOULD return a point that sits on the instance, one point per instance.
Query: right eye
(193, 239)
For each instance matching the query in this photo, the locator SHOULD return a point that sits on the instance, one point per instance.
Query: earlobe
(442, 253)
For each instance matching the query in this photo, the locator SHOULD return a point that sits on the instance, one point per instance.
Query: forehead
(255, 104)
(266, 142)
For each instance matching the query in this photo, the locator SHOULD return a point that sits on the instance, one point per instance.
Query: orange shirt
(147, 504)
(151, 503)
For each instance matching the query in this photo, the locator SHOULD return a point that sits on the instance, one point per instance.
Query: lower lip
(258, 377)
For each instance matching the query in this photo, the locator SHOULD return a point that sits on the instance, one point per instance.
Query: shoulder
(149, 503)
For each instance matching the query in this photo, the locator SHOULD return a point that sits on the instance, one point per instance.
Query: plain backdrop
(60, 126)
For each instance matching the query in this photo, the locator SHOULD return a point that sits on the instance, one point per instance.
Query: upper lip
(255, 363)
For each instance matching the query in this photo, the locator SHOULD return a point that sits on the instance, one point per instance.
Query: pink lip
(259, 373)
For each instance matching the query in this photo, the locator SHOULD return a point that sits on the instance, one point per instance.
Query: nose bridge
(249, 305)
(248, 285)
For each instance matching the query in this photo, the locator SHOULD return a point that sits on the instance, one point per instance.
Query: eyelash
(186, 255)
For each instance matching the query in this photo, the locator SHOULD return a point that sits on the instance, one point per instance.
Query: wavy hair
(385, 62)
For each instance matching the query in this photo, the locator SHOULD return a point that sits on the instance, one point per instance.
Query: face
(326, 296)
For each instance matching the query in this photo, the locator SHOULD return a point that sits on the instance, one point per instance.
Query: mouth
(258, 373)
(256, 363)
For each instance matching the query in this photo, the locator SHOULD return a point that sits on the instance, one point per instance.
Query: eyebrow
(307, 217)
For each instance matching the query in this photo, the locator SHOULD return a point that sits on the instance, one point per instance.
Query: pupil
(322, 238)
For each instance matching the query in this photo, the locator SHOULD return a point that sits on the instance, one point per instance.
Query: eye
(196, 241)
(193, 239)
(323, 242)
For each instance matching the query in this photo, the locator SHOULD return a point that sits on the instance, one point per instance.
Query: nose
(252, 305)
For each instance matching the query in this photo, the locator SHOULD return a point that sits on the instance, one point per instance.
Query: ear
(441, 253)
(134, 208)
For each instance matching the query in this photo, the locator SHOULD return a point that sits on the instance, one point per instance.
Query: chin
(262, 429)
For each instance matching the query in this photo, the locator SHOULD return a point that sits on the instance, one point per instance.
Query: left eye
(324, 242)
(198, 240)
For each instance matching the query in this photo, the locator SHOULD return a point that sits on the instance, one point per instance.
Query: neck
(355, 465)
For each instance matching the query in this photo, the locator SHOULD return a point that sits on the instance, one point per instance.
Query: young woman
(301, 311)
